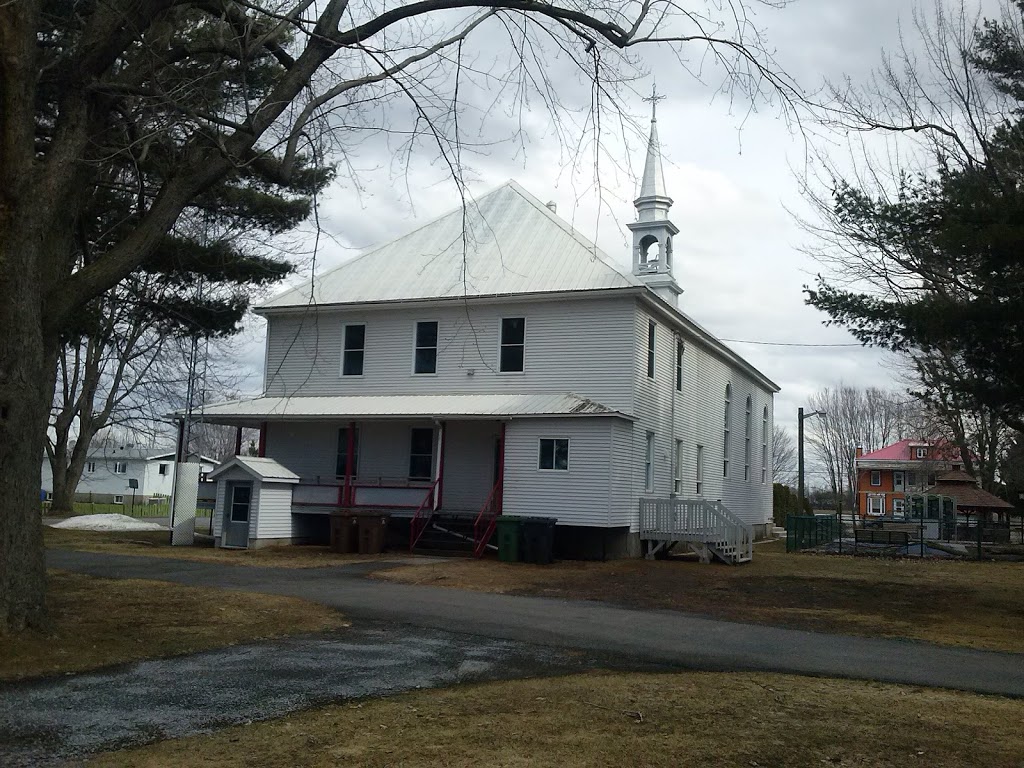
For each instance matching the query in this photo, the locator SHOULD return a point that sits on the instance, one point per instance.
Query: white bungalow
(495, 361)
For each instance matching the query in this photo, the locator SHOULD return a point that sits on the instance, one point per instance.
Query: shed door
(237, 508)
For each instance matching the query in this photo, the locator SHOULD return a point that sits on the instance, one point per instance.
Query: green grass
(140, 509)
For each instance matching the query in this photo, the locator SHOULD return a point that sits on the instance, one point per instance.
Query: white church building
(495, 362)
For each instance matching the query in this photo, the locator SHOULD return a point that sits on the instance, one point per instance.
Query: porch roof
(479, 406)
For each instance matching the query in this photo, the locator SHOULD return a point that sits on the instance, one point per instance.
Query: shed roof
(262, 468)
(477, 406)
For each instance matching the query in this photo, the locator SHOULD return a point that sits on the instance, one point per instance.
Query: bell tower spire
(652, 230)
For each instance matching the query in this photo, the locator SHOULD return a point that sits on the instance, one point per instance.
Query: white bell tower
(652, 230)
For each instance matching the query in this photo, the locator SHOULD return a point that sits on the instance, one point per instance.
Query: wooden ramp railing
(483, 526)
(708, 527)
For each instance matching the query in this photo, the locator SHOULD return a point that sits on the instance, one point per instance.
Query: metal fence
(807, 531)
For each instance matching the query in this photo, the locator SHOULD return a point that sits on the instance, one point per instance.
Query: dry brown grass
(690, 719)
(98, 622)
(156, 544)
(974, 604)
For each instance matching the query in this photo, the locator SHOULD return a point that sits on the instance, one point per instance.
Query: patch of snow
(107, 523)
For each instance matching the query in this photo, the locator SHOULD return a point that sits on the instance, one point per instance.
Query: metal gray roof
(407, 406)
(653, 184)
(512, 243)
(263, 468)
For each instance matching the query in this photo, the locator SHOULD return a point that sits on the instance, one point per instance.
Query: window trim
(764, 446)
(344, 350)
(416, 347)
(118, 496)
(677, 479)
(540, 453)
(902, 509)
(652, 342)
(746, 438)
(649, 462)
(921, 453)
(90, 467)
(873, 498)
(123, 464)
(433, 458)
(162, 468)
(875, 473)
(725, 436)
(502, 344)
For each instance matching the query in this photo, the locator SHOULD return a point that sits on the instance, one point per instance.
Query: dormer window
(921, 453)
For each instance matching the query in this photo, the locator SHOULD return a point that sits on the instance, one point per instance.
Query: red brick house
(885, 476)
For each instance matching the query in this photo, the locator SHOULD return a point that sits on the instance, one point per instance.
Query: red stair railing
(421, 518)
(483, 526)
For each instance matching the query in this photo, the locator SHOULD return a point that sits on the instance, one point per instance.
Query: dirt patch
(601, 719)
(157, 544)
(973, 604)
(98, 622)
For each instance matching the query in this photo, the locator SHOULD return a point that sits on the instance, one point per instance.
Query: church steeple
(652, 231)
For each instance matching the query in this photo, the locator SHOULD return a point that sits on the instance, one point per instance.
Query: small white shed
(254, 503)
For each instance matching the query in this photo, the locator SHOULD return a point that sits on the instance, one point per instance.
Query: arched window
(746, 442)
(725, 438)
(764, 445)
(668, 252)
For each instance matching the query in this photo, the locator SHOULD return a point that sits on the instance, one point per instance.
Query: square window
(162, 469)
(421, 453)
(876, 477)
(922, 453)
(120, 468)
(425, 353)
(354, 350)
(876, 505)
(554, 453)
(119, 499)
(90, 466)
(513, 345)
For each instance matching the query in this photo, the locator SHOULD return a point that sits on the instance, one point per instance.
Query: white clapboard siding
(699, 420)
(275, 512)
(572, 345)
(578, 496)
(469, 463)
(622, 492)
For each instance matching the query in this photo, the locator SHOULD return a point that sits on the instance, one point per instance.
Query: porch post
(349, 456)
(501, 470)
(440, 464)
(238, 441)
(261, 451)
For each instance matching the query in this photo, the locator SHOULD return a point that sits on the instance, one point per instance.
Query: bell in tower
(652, 230)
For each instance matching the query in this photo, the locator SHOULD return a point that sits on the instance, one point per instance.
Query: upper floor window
(343, 444)
(425, 354)
(679, 366)
(162, 469)
(651, 328)
(921, 453)
(513, 345)
(746, 442)
(764, 445)
(554, 453)
(876, 477)
(120, 468)
(354, 350)
(725, 435)
(421, 453)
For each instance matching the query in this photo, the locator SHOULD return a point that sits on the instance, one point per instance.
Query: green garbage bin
(539, 540)
(508, 538)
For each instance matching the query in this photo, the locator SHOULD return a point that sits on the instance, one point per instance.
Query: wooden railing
(421, 518)
(699, 520)
(483, 526)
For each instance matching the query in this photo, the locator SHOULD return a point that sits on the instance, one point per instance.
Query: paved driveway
(660, 637)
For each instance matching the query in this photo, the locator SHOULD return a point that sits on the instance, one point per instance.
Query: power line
(789, 343)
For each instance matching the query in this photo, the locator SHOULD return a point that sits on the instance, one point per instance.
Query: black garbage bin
(538, 537)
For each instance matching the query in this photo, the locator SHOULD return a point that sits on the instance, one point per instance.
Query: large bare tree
(89, 91)
(784, 456)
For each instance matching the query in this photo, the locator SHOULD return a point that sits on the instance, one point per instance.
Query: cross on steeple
(654, 98)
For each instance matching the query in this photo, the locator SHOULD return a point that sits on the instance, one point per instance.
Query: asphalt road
(641, 636)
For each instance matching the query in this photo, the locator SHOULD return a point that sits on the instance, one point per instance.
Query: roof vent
(552, 206)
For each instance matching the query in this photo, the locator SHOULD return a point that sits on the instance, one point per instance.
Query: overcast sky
(732, 175)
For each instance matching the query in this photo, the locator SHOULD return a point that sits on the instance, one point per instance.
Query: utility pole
(800, 416)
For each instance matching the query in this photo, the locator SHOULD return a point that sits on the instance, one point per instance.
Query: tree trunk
(27, 376)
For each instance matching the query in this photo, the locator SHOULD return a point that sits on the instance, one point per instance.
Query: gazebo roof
(962, 487)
